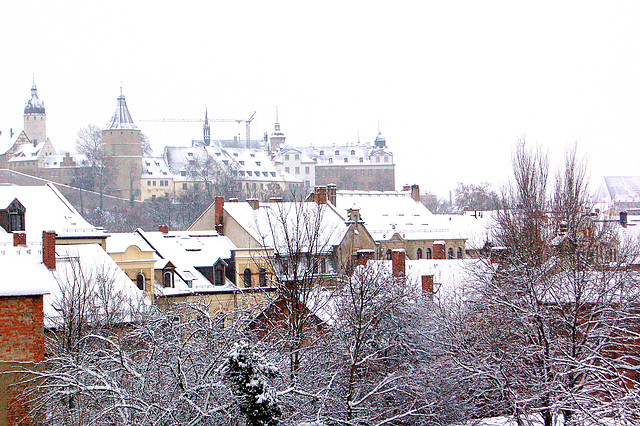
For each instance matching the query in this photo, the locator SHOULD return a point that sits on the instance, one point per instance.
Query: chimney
(275, 199)
(397, 263)
(415, 193)
(427, 285)
(218, 213)
(19, 238)
(438, 250)
(332, 192)
(164, 229)
(233, 200)
(49, 249)
(363, 256)
(354, 215)
(406, 188)
(254, 203)
(623, 219)
(321, 194)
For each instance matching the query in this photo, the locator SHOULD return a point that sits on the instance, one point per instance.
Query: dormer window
(235, 154)
(321, 152)
(257, 163)
(361, 160)
(353, 152)
(242, 162)
(252, 155)
(346, 160)
(337, 152)
(189, 154)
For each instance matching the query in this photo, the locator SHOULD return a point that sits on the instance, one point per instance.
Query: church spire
(206, 128)
(121, 119)
(34, 105)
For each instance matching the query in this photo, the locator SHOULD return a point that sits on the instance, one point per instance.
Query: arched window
(330, 160)
(389, 254)
(459, 253)
(140, 281)
(321, 152)
(167, 279)
(450, 253)
(247, 277)
(263, 277)
(346, 159)
(353, 152)
(428, 253)
(419, 254)
(337, 152)
(361, 160)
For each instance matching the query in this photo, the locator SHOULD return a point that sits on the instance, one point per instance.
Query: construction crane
(206, 120)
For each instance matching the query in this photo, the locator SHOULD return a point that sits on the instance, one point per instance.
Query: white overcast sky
(453, 84)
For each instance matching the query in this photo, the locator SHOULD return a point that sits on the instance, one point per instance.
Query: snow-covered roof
(621, 191)
(47, 209)
(121, 119)
(274, 224)
(107, 286)
(452, 278)
(53, 161)
(155, 167)
(119, 242)
(26, 152)
(347, 154)
(189, 250)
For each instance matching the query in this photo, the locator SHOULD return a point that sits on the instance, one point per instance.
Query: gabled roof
(47, 209)
(189, 250)
(121, 119)
(23, 273)
(276, 225)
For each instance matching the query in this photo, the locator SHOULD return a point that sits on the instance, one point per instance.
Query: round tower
(35, 119)
(123, 152)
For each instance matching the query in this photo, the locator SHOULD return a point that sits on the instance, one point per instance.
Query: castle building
(123, 152)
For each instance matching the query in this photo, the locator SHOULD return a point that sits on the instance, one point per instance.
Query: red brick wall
(21, 329)
(19, 239)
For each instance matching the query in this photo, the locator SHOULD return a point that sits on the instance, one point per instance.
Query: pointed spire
(121, 119)
(206, 128)
(277, 131)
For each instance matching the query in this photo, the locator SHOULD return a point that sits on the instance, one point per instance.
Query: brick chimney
(321, 194)
(218, 205)
(332, 193)
(406, 188)
(254, 203)
(427, 284)
(19, 238)
(438, 250)
(397, 263)
(164, 229)
(415, 193)
(49, 249)
(363, 256)
(275, 200)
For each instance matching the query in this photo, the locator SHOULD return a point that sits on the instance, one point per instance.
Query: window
(386, 159)
(306, 170)
(321, 152)
(419, 254)
(330, 173)
(247, 278)
(337, 173)
(346, 160)
(166, 183)
(148, 183)
(297, 156)
(323, 266)
(353, 152)
(337, 152)
(330, 160)
(161, 183)
(167, 279)
(324, 173)
(184, 186)
(450, 253)
(154, 183)
(362, 173)
(140, 281)
(242, 162)
(286, 169)
(377, 159)
(361, 160)
(286, 157)
(428, 254)
(388, 254)
(459, 253)
(257, 163)
(218, 276)
(297, 170)
(263, 277)
(370, 172)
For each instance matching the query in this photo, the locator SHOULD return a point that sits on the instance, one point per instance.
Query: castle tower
(276, 142)
(35, 119)
(123, 152)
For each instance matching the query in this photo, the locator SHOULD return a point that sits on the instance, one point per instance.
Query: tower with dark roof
(123, 151)
(276, 141)
(35, 119)
(206, 129)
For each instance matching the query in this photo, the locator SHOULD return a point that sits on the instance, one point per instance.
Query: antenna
(277, 121)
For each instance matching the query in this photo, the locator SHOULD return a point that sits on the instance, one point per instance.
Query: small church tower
(35, 119)
(123, 151)
(276, 141)
(206, 129)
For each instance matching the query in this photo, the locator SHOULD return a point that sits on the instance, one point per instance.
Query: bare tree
(476, 197)
(551, 328)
